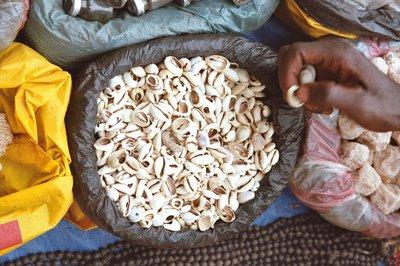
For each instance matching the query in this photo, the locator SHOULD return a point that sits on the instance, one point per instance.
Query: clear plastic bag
(321, 182)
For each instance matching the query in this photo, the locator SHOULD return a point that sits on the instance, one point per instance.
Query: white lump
(354, 155)
(366, 180)
(387, 163)
(387, 198)
(376, 141)
(183, 143)
(378, 176)
(349, 129)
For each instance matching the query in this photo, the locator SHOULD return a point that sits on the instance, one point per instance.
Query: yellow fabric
(36, 182)
(289, 9)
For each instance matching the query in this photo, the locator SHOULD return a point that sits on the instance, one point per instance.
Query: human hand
(345, 80)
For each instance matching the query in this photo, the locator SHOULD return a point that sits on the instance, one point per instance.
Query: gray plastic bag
(68, 41)
(374, 18)
(12, 18)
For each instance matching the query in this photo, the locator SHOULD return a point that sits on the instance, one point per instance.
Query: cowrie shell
(292, 100)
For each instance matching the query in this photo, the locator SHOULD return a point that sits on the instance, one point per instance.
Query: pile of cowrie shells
(183, 143)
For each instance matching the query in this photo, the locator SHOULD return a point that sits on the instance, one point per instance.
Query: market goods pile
(374, 157)
(182, 144)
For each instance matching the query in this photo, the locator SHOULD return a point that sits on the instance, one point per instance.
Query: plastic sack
(255, 58)
(35, 182)
(67, 41)
(322, 183)
(362, 17)
(345, 18)
(12, 18)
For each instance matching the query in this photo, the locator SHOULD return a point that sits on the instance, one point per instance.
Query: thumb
(322, 96)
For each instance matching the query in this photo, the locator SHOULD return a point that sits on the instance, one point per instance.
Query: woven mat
(302, 240)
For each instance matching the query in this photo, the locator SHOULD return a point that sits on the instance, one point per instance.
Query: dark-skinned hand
(345, 80)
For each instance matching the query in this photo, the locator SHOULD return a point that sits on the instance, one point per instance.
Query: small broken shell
(125, 204)
(241, 105)
(185, 63)
(137, 95)
(174, 226)
(117, 158)
(138, 71)
(203, 140)
(173, 65)
(130, 80)
(204, 223)
(292, 100)
(141, 119)
(154, 83)
(104, 144)
(117, 83)
(227, 215)
(217, 63)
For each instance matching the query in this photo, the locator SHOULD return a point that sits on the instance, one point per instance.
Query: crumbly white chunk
(349, 129)
(387, 198)
(366, 180)
(354, 155)
(387, 163)
(376, 141)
